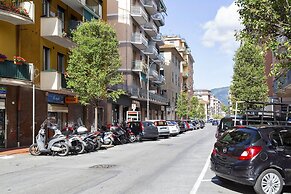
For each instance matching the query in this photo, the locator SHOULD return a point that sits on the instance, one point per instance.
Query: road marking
(6, 157)
(209, 180)
(201, 176)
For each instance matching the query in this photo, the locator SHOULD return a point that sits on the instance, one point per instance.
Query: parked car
(227, 123)
(146, 129)
(215, 122)
(256, 156)
(162, 128)
(174, 129)
(202, 124)
(182, 126)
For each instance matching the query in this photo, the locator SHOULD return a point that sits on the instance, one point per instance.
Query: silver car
(163, 128)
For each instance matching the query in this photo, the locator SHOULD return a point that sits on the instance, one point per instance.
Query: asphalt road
(176, 165)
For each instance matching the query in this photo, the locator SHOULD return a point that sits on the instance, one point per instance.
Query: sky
(208, 27)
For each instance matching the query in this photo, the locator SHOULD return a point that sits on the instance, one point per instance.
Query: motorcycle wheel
(90, 146)
(132, 138)
(33, 150)
(97, 144)
(65, 148)
(80, 148)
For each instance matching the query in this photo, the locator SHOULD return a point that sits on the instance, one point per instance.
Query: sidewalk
(12, 151)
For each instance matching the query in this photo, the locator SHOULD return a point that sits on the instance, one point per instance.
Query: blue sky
(208, 27)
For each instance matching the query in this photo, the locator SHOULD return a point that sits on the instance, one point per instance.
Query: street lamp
(148, 88)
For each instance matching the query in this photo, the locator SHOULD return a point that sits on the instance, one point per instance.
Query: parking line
(201, 176)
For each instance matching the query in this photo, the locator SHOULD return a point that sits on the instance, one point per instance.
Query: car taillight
(214, 151)
(250, 153)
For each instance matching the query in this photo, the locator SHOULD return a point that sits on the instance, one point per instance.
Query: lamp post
(148, 88)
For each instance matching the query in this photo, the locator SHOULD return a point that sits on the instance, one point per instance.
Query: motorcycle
(118, 135)
(57, 145)
(76, 144)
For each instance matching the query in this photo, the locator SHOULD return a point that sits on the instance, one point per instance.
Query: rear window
(228, 123)
(133, 124)
(160, 123)
(240, 137)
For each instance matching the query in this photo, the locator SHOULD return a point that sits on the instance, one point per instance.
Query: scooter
(57, 145)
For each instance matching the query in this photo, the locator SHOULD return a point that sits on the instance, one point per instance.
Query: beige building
(215, 106)
(186, 66)
(171, 70)
(204, 96)
(137, 23)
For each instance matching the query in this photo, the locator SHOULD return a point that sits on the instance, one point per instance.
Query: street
(175, 165)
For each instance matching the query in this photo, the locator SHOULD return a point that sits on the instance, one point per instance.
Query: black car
(146, 129)
(256, 156)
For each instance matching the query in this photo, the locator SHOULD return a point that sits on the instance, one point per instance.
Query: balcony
(159, 19)
(20, 13)
(73, 25)
(17, 72)
(151, 29)
(161, 80)
(150, 6)
(151, 51)
(51, 29)
(159, 39)
(139, 66)
(139, 15)
(139, 41)
(52, 80)
(153, 75)
(160, 59)
(89, 8)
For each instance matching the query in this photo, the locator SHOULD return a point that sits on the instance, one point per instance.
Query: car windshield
(240, 137)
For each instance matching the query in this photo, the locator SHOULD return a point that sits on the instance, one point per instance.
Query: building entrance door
(2, 128)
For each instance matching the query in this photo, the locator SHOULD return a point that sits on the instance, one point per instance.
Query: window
(61, 16)
(46, 58)
(61, 63)
(45, 8)
(173, 77)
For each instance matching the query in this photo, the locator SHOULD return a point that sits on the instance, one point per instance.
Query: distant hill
(221, 94)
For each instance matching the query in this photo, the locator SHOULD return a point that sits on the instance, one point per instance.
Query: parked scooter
(57, 145)
(76, 144)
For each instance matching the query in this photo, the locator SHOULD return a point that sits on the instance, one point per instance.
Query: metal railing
(10, 70)
(139, 38)
(139, 11)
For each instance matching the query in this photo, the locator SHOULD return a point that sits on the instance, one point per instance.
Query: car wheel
(269, 181)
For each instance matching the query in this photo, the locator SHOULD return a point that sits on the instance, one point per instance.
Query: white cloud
(221, 30)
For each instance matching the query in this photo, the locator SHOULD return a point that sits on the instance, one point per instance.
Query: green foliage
(94, 62)
(268, 23)
(249, 80)
(217, 116)
(201, 111)
(224, 108)
(182, 105)
(193, 107)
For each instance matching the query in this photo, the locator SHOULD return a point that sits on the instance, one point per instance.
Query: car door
(286, 139)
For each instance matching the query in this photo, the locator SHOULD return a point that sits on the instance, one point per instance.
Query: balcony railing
(89, 8)
(73, 25)
(159, 39)
(141, 94)
(153, 75)
(150, 6)
(17, 12)
(10, 70)
(150, 28)
(160, 80)
(151, 51)
(159, 59)
(139, 66)
(139, 40)
(52, 80)
(139, 14)
(159, 18)
(51, 29)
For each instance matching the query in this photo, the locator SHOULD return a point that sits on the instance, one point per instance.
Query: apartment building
(204, 97)
(187, 65)
(137, 23)
(215, 106)
(171, 70)
(35, 38)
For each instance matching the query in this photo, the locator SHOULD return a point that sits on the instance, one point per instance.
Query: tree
(182, 105)
(268, 23)
(249, 80)
(93, 63)
(193, 107)
(201, 111)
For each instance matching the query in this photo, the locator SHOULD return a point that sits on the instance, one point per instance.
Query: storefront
(57, 109)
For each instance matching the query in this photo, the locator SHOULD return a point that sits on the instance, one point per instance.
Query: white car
(173, 127)
(163, 128)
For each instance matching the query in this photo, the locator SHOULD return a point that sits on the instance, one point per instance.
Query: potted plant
(2, 57)
(18, 60)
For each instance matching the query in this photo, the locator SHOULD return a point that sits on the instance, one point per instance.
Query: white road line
(201, 176)
(6, 157)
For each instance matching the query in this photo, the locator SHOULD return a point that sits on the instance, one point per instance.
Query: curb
(14, 151)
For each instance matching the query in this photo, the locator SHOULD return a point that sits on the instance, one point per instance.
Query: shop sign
(71, 100)
(56, 98)
(3, 91)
